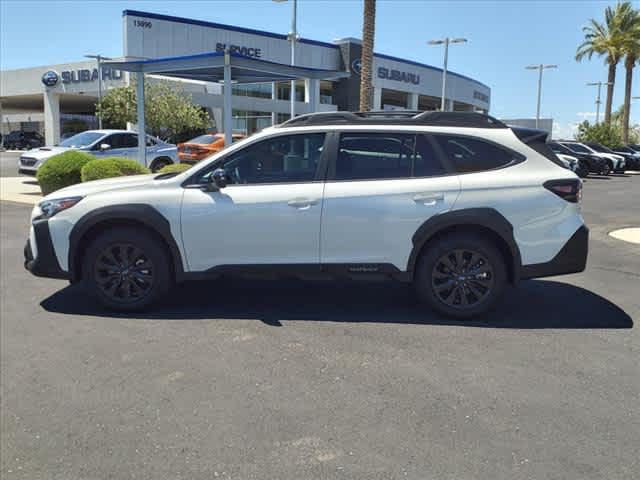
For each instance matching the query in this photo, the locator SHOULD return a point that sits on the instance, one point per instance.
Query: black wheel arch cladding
(482, 219)
(140, 214)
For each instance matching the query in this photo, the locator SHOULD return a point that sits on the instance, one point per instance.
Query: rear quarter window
(468, 154)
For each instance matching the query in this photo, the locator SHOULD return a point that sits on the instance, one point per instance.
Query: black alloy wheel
(462, 278)
(124, 273)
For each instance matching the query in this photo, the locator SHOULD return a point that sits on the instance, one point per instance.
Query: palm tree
(368, 33)
(630, 29)
(604, 39)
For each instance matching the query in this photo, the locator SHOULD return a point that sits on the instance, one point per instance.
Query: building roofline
(234, 28)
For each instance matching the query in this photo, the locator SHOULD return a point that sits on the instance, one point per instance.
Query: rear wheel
(126, 269)
(160, 163)
(461, 275)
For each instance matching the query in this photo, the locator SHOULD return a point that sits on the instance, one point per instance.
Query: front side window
(468, 154)
(283, 159)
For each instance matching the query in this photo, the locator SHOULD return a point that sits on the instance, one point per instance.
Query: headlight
(50, 207)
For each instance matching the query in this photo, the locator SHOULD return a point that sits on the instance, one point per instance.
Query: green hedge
(111, 167)
(62, 170)
(175, 168)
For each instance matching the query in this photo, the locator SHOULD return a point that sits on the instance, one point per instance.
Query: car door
(268, 214)
(380, 189)
(115, 142)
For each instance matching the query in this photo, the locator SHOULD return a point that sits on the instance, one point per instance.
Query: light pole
(540, 68)
(446, 42)
(293, 38)
(598, 102)
(99, 59)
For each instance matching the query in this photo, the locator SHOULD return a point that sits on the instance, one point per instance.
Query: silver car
(103, 143)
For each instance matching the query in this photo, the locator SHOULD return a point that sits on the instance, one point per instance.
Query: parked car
(617, 161)
(203, 146)
(635, 147)
(572, 163)
(457, 203)
(19, 140)
(106, 143)
(593, 163)
(631, 157)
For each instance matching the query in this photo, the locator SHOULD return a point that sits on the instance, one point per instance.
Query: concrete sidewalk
(20, 189)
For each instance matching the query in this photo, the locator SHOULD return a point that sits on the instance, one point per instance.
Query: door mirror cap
(104, 146)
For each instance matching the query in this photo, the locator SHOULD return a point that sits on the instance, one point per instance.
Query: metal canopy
(208, 67)
(227, 67)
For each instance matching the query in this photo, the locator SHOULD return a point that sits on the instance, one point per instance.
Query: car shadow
(535, 304)
(597, 177)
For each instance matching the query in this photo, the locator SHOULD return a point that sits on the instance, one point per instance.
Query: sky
(504, 37)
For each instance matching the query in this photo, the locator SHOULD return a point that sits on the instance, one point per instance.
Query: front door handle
(428, 198)
(302, 203)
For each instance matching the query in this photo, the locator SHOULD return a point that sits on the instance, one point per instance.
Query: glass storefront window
(249, 122)
(256, 90)
(284, 88)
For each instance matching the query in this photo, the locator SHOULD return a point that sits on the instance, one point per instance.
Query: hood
(99, 186)
(42, 153)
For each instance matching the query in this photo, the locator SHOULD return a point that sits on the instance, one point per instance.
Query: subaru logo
(50, 78)
(356, 66)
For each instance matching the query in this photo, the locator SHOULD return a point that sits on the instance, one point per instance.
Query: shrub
(175, 168)
(111, 167)
(62, 170)
(608, 135)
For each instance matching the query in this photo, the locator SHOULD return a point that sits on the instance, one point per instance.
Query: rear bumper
(45, 263)
(572, 258)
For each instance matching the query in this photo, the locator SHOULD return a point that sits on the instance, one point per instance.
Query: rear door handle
(428, 198)
(302, 203)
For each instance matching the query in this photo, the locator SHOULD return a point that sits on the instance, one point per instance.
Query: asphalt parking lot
(297, 380)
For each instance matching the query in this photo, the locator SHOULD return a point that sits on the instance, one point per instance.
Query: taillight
(569, 190)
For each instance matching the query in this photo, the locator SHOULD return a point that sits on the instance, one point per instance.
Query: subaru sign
(356, 66)
(50, 78)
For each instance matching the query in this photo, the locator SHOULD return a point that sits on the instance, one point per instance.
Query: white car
(103, 143)
(616, 162)
(456, 203)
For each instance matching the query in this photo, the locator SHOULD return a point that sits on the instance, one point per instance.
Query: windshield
(80, 140)
(576, 147)
(599, 148)
(204, 139)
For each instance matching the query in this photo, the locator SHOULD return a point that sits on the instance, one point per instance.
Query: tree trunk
(611, 79)
(628, 64)
(368, 33)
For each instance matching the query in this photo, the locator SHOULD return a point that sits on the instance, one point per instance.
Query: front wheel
(606, 169)
(582, 171)
(461, 275)
(126, 269)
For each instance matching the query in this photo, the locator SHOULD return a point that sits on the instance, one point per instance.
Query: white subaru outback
(457, 203)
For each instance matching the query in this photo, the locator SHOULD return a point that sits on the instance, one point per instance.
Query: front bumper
(45, 262)
(572, 258)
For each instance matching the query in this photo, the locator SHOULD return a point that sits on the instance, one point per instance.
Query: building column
(377, 98)
(142, 136)
(412, 101)
(274, 97)
(312, 93)
(51, 117)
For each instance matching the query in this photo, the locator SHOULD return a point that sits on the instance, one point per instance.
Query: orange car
(201, 147)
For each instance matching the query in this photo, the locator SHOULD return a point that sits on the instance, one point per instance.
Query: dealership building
(58, 99)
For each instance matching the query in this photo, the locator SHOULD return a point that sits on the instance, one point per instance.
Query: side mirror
(219, 177)
(104, 146)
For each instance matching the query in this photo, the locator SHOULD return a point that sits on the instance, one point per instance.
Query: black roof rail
(397, 117)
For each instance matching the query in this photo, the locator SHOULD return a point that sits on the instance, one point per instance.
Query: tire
(126, 269)
(481, 292)
(582, 171)
(606, 169)
(160, 163)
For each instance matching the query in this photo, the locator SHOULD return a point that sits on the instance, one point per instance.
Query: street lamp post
(99, 59)
(540, 68)
(293, 38)
(446, 42)
(598, 102)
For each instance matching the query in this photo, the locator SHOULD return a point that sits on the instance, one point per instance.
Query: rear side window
(373, 156)
(469, 155)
